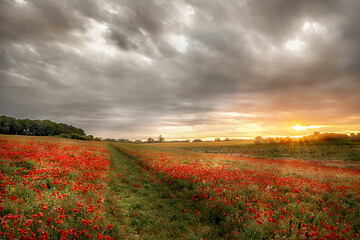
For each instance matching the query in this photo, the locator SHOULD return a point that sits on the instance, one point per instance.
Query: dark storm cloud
(37, 20)
(128, 68)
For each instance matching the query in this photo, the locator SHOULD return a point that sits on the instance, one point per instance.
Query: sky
(183, 69)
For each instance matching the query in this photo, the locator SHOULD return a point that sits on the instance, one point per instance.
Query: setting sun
(299, 127)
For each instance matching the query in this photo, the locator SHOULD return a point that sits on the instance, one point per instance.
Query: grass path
(144, 209)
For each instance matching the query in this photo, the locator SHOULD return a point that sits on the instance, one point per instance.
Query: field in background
(326, 150)
(200, 144)
(57, 188)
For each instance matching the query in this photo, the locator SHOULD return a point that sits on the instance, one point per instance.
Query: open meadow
(54, 188)
(344, 151)
(186, 119)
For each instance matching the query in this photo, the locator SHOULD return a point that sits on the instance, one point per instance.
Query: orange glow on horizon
(298, 127)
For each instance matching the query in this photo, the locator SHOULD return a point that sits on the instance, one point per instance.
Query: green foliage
(10, 125)
(76, 136)
(89, 137)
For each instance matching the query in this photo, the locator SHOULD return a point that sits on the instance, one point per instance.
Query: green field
(331, 150)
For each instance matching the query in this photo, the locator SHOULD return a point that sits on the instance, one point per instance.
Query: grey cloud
(37, 21)
(280, 18)
(234, 60)
(121, 40)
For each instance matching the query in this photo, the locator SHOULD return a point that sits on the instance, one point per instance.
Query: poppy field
(251, 198)
(54, 188)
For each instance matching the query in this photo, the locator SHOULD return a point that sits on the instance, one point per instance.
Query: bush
(90, 137)
(65, 135)
(77, 136)
(355, 138)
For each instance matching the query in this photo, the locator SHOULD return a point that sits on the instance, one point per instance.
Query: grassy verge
(147, 208)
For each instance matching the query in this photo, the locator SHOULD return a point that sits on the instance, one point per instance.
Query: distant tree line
(315, 137)
(160, 139)
(355, 138)
(13, 126)
(224, 140)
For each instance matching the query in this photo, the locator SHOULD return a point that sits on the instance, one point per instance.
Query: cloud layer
(181, 68)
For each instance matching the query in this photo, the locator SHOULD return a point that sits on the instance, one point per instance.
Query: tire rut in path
(146, 209)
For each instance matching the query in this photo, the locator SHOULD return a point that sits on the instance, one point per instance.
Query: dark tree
(259, 140)
(161, 139)
(10, 125)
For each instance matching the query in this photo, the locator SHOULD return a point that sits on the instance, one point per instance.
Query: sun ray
(298, 127)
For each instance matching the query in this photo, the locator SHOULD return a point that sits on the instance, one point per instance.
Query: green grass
(149, 210)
